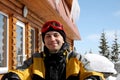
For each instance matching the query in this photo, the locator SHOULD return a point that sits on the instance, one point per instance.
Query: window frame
(5, 69)
(21, 24)
(33, 38)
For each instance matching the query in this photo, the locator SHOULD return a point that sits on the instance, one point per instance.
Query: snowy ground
(118, 77)
(111, 78)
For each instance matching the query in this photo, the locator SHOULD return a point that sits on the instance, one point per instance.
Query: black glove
(93, 78)
(10, 76)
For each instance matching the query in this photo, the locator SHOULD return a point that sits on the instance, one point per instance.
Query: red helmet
(52, 24)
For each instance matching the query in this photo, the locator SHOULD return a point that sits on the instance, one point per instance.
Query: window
(32, 40)
(3, 43)
(20, 43)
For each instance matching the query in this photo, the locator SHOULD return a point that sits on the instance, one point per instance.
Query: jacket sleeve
(21, 73)
(10, 76)
(91, 75)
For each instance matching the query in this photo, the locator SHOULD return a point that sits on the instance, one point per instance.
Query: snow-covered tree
(115, 50)
(90, 51)
(104, 48)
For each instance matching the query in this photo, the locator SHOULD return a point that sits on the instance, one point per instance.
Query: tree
(115, 50)
(104, 48)
(90, 51)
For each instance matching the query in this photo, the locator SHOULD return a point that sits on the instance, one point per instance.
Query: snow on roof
(99, 63)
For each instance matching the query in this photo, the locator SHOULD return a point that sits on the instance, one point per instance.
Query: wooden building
(20, 25)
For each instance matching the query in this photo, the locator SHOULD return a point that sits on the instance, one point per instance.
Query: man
(56, 62)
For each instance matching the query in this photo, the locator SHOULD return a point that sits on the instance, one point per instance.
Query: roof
(45, 12)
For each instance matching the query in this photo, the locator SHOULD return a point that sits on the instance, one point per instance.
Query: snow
(96, 62)
(118, 77)
(111, 78)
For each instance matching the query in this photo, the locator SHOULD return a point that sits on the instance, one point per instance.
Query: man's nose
(52, 37)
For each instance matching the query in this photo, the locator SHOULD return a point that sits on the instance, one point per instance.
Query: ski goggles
(53, 24)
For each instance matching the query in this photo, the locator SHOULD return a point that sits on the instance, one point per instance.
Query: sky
(95, 17)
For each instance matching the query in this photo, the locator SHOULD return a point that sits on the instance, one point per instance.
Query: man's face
(53, 41)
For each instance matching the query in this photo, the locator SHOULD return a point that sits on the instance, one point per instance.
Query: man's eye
(56, 35)
(47, 36)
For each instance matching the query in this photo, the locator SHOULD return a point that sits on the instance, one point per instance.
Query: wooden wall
(14, 10)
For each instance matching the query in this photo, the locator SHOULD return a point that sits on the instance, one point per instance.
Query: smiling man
(55, 62)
